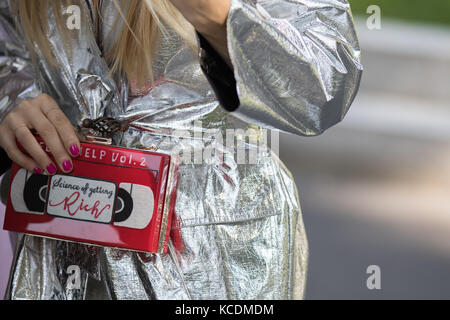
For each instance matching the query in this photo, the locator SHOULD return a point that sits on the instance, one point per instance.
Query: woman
(286, 65)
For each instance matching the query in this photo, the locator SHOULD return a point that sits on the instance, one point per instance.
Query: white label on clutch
(81, 198)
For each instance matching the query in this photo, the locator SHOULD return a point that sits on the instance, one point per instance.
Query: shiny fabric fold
(17, 74)
(297, 63)
(238, 231)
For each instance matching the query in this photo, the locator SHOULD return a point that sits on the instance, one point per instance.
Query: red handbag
(114, 197)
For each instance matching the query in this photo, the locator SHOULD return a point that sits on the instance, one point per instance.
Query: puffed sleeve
(17, 75)
(296, 64)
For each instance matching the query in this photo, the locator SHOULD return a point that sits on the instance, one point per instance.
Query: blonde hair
(144, 24)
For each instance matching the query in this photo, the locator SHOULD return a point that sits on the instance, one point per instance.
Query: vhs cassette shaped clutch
(113, 197)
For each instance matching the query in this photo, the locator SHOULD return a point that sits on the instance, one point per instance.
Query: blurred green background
(428, 11)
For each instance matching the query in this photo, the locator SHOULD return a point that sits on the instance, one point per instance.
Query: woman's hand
(44, 116)
(209, 18)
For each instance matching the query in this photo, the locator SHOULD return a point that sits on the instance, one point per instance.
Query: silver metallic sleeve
(296, 62)
(17, 75)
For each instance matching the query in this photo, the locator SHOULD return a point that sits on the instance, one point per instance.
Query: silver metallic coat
(297, 69)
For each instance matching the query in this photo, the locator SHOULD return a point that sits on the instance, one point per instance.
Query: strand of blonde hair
(132, 54)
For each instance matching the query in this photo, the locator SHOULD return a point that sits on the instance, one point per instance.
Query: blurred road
(375, 189)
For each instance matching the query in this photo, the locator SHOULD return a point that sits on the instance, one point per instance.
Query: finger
(63, 127)
(8, 143)
(31, 145)
(48, 133)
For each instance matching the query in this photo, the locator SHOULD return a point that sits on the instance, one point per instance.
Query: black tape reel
(134, 206)
(35, 192)
(124, 206)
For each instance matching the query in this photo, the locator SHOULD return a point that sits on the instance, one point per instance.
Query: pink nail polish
(67, 165)
(74, 150)
(38, 170)
(51, 169)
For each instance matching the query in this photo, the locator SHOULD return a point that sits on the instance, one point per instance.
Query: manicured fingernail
(74, 150)
(67, 165)
(38, 170)
(51, 169)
